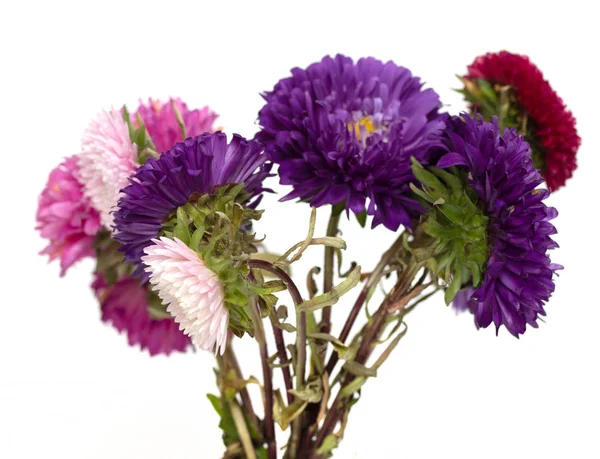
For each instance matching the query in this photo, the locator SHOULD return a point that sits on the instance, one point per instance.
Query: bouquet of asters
(165, 203)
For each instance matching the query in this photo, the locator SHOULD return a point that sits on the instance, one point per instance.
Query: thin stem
(231, 361)
(372, 333)
(242, 429)
(328, 268)
(282, 353)
(373, 279)
(419, 301)
(300, 340)
(267, 379)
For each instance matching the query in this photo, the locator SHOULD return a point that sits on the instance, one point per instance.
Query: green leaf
(330, 442)
(343, 351)
(332, 297)
(215, 401)
(285, 327)
(179, 119)
(268, 287)
(311, 393)
(353, 386)
(426, 177)
(453, 288)
(284, 415)
(358, 369)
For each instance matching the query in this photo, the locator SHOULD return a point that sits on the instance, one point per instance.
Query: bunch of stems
(313, 430)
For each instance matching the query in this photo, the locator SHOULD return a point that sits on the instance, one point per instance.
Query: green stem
(240, 425)
(328, 268)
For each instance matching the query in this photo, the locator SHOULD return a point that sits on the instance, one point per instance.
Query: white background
(70, 387)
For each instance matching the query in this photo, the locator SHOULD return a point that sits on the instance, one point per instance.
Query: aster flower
(193, 292)
(190, 169)
(107, 160)
(162, 121)
(537, 111)
(66, 218)
(127, 305)
(344, 132)
(498, 173)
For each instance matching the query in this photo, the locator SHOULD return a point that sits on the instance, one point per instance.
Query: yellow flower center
(364, 124)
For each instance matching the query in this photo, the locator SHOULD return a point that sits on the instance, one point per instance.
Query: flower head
(540, 114)
(193, 292)
(162, 121)
(499, 177)
(189, 170)
(344, 132)
(107, 160)
(128, 306)
(65, 217)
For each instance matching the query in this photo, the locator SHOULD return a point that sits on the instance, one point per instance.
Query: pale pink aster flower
(107, 160)
(192, 291)
(66, 218)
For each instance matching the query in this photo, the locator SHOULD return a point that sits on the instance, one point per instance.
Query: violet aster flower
(518, 278)
(125, 305)
(344, 132)
(66, 217)
(161, 121)
(196, 166)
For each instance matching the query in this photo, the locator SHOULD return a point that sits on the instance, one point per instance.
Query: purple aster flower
(195, 166)
(518, 278)
(125, 305)
(344, 132)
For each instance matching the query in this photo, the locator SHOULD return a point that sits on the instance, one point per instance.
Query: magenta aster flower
(161, 121)
(196, 166)
(193, 292)
(554, 132)
(107, 160)
(125, 305)
(66, 218)
(518, 278)
(344, 132)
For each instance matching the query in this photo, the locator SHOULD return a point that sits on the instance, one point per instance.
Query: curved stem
(328, 268)
(282, 275)
(300, 339)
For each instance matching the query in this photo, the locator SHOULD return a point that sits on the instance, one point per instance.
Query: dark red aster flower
(541, 114)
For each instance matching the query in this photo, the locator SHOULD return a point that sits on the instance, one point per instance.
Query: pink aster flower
(125, 304)
(107, 160)
(161, 121)
(192, 291)
(66, 218)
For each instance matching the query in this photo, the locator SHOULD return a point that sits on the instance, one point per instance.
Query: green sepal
(215, 225)
(139, 136)
(489, 100)
(456, 225)
(362, 218)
